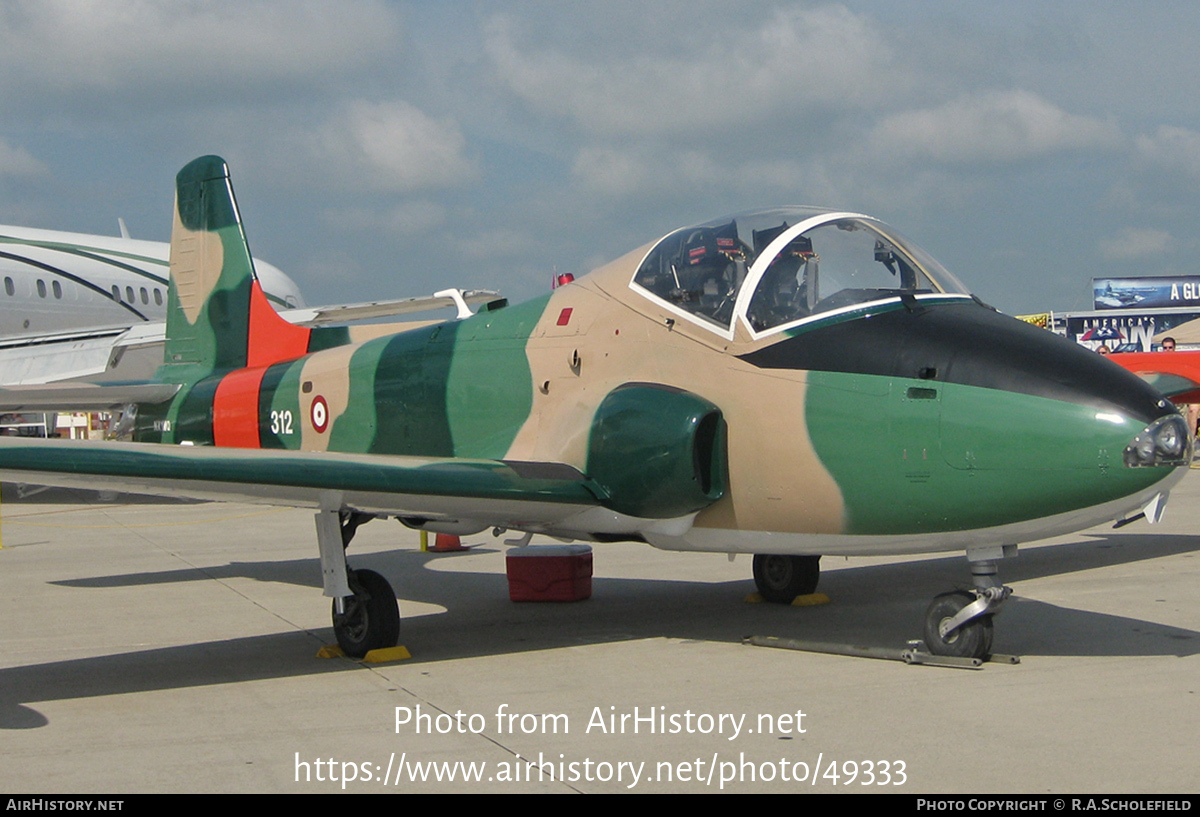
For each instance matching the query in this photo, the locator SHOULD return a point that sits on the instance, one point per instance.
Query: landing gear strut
(960, 623)
(781, 578)
(365, 614)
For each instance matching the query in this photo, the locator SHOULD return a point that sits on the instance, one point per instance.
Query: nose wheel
(959, 624)
(972, 639)
(370, 619)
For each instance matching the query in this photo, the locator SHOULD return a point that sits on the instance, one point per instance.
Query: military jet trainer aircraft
(785, 383)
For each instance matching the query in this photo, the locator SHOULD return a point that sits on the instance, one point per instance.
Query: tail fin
(218, 318)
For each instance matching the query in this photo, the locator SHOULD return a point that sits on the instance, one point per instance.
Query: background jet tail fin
(218, 318)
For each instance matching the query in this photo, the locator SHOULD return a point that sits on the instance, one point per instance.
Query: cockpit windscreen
(782, 266)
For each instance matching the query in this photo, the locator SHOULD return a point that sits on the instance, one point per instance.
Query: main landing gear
(956, 624)
(781, 578)
(365, 613)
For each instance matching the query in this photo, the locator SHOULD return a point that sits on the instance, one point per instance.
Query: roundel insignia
(319, 414)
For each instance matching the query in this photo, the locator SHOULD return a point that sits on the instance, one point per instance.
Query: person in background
(1193, 410)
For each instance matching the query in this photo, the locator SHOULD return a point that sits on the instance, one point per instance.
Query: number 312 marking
(281, 422)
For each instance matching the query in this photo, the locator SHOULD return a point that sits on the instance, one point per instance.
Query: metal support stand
(911, 655)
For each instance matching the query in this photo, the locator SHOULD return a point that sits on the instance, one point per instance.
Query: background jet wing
(1175, 374)
(82, 396)
(106, 353)
(489, 492)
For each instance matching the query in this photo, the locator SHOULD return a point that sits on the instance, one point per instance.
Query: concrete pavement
(170, 647)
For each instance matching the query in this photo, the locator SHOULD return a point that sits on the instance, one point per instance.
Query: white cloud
(994, 127)
(16, 161)
(796, 59)
(408, 218)
(626, 172)
(1174, 148)
(393, 146)
(499, 243)
(159, 48)
(614, 172)
(1132, 243)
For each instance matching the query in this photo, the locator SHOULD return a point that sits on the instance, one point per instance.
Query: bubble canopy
(782, 267)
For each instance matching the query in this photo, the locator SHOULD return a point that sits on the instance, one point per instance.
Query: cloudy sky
(387, 149)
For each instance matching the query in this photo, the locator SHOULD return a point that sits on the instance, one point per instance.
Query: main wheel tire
(372, 617)
(781, 578)
(971, 640)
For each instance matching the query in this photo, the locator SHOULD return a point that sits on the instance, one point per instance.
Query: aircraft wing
(1174, 374)
(99, 355)
(83, 396)
(440, 490)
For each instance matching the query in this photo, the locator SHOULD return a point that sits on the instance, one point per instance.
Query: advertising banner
(1178, 291)
(1133, 331)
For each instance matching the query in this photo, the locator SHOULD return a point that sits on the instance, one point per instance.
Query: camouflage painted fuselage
(897, 427)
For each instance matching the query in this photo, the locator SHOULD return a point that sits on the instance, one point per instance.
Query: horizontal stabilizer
(343, 313)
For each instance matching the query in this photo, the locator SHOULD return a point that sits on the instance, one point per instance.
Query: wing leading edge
(532, 496)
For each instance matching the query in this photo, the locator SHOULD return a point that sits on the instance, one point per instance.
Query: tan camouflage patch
(776, 480)
(325, 375)
(197, 257)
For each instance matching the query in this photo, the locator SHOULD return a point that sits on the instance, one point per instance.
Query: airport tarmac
(171, 647)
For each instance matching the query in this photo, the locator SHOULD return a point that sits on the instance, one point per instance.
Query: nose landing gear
(960, 623)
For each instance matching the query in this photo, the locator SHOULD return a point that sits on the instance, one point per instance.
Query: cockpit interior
(779, 268)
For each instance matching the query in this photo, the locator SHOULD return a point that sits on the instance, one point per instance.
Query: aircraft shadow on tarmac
(877, 604)
(12, 494)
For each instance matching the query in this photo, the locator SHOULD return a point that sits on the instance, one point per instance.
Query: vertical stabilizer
(218, 318)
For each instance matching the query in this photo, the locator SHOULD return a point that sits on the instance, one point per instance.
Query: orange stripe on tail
(272, 339)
